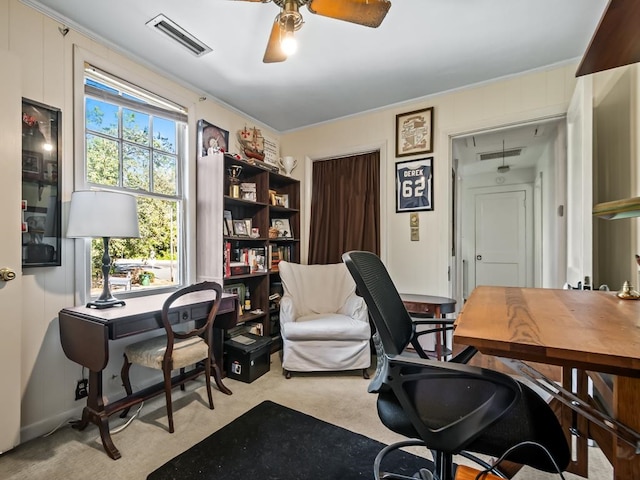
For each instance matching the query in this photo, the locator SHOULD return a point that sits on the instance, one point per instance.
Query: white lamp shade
(103, 214)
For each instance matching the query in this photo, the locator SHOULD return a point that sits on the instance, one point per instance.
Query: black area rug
(272, 442)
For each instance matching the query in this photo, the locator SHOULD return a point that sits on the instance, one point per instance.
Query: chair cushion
(150, 352)
(328, 326)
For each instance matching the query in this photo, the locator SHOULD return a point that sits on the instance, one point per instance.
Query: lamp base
(108, 303)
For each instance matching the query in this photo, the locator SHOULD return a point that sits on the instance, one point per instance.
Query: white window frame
(83, 246)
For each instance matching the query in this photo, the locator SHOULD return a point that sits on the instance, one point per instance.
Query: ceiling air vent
(174, 31)
(512, 152)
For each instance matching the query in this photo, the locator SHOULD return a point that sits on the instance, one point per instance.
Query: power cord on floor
(128, 422)
(57, 427)
(515, 447)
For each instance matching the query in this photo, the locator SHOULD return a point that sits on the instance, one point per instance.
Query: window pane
(164, 174)
(135, 163)
(142, 263)
(135, 126)
(101, 117)
(103, 167)
(164, 134)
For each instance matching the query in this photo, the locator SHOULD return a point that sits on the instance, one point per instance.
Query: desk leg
(216, 363)
(626, 393)
(576, 426)
(95, 413)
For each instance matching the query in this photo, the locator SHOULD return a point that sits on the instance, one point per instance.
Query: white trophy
(288, 164)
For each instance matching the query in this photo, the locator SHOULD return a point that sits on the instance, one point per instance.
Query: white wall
(48, 378)
(422, 267)
(47, 60)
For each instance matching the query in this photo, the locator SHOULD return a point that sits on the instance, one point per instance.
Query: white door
(10, 250)
(580, 183)
(500, 246)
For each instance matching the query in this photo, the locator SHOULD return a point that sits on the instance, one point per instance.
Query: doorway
(510, 188)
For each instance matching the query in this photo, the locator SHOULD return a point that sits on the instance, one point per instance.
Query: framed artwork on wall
(414, 132)
(211, 139)
(414, 185)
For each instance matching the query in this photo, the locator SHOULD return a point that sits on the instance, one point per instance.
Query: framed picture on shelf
(248, 224)
(282, 200)
(248, 191)
(414, 185)
(414, 132)
(31, 165)
(283, 226)
(240, 228)
(50, 171)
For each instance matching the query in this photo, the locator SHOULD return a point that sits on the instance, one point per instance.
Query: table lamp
(108, 215)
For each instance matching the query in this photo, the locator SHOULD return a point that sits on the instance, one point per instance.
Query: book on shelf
(227, 259)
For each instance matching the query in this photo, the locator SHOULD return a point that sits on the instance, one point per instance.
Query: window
(134, 142)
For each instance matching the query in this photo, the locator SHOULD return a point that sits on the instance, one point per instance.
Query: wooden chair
(178, 348)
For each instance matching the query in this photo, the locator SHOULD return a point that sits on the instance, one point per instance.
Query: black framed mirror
(41, 138)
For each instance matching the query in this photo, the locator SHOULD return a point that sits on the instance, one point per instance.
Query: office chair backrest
(376, 287)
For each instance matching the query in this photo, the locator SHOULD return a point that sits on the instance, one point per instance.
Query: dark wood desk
(422, 306)
(576, 329)
(428, 304)
(85, 334)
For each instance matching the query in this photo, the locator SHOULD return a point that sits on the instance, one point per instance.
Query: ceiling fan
(369, 13)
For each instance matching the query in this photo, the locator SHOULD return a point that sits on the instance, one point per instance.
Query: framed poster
(414, 132)
(414, 185)
(211, 139)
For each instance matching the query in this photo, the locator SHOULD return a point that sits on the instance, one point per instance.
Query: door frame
(458, 267)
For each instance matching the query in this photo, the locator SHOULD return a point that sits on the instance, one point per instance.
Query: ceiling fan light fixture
(288, 42)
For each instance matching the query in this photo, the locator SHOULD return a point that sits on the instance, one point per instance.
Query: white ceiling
(423, 47)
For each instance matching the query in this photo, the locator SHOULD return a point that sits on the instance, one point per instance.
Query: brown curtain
(345, 207)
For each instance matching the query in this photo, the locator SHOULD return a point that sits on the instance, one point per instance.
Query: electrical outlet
(81, 389)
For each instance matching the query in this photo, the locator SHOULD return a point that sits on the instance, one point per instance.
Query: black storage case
(247, 362)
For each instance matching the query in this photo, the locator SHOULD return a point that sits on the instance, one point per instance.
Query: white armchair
(324, 324)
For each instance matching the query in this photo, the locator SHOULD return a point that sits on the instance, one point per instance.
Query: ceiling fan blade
(274, 52)
(369, 13)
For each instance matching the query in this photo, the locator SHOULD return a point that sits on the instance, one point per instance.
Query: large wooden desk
(586, 330)
(85, 334)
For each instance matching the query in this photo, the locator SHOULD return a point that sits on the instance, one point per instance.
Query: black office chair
(449, 407)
